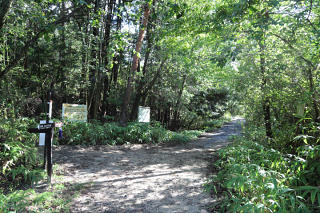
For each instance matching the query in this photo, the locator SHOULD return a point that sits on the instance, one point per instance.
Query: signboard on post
(74, 112)
(144, 114)
(43, 135)
(300, 109)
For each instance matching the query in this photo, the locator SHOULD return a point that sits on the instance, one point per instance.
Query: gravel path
(142, 178)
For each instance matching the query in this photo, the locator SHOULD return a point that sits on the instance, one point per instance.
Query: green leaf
(313, 196)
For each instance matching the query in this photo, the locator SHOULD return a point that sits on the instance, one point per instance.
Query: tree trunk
(84, 66)
(175, 124)
(4, 9)
(141, 83)
(265, 98)
(93, 74)
(62, 58)
(313, 95)
(142, 92)
(118, 57)
(167, 117)
(105, 48)
(107, 32)
(127, 95)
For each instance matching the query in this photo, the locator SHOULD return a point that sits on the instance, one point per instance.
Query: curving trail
(142, 178)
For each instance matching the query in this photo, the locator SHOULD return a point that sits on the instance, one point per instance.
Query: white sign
(42, 136)
(50, 109)
(74, 112)
(144, 114)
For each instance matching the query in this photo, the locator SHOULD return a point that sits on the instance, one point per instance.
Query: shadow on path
(143, 178)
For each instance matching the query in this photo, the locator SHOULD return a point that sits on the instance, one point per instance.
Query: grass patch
(55, 199)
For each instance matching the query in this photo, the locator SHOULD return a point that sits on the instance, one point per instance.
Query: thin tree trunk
(127, 95)
(105, 48)
(118, 57)
(313, 95)
(142, 92)
(93, 74)
(107, 32)
(84, 65)
(265, 98)
(177, 106)
(62, 58)
(4, 9)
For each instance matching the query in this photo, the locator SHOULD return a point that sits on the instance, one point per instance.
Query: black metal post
(45, 140)
(48, 141)
(48, 129)
(49, 138)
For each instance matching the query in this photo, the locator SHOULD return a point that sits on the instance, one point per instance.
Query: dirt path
(142, 178)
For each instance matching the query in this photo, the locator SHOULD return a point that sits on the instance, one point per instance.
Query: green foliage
(184, 136)
(211, 103)
(78, 133)
(18, 154)
(57, 199)
(257, 178)
(212, 125)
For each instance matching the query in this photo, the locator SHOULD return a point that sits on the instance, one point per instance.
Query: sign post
(300, 109)
(48, 129)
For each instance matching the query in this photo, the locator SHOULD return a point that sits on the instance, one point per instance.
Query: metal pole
(49, 153)
(46, 134)
(49, 137)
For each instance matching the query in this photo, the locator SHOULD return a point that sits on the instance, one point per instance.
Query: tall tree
(4, 9)
(134, 66)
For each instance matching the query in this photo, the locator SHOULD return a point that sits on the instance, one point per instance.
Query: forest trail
(142, 178)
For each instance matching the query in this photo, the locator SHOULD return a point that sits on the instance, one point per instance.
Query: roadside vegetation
(256, 174)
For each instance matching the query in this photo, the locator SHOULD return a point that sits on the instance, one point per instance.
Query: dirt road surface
(142, 178)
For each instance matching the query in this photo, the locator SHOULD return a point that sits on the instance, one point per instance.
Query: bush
(255, 178)
(77, 133)
(18, 154)
(213, 124)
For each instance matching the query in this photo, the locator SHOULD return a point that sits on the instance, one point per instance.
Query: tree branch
(295, 49)
(155, 77)
(21, 53)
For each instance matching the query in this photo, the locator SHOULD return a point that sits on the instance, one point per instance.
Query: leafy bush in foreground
(255, 178)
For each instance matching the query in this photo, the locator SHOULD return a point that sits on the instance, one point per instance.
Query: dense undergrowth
(255, 177)
(96, 133)
(18, 155)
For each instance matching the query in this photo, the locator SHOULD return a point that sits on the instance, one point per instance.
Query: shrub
(77, 133)
(255, 178)
(18, 154)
